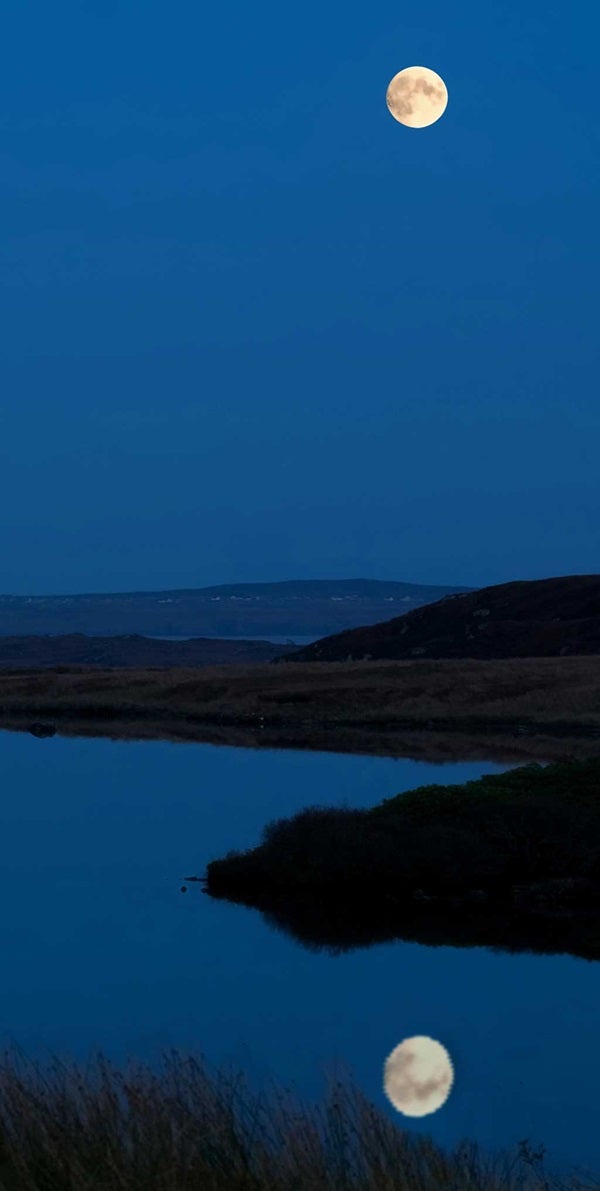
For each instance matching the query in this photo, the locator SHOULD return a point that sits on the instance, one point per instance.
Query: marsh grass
(64, 1127)
(531, 690)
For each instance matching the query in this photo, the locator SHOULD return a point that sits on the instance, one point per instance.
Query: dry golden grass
(504, 710)
(539, 690)
(181, 1128)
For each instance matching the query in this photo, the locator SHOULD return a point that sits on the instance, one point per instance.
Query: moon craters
(418, 1076)
(417, 96)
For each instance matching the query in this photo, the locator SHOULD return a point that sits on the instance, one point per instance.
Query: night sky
(254, 329)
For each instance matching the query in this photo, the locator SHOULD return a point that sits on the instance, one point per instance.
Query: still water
(292, 639)
(101, 949)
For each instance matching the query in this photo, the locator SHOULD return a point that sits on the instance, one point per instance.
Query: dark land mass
(507, 709)
(349, 922)
(309, 608)
(131, 651)
(524, 619)
(510, 861)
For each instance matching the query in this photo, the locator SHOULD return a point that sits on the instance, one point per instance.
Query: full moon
(418, 1076)
(417, 96)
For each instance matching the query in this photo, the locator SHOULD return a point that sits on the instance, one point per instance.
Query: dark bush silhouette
(528, 825)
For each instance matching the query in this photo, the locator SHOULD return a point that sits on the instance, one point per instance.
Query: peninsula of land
(511, 860)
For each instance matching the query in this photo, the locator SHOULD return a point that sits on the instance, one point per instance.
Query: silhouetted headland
(511, 860)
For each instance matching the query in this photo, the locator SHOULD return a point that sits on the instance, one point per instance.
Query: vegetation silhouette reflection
(509, 861)
(345, 923)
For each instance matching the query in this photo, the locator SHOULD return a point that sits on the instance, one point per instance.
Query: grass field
(184, 1128)
(360, 706)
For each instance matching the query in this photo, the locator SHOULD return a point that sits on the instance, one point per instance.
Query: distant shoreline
(313, 608)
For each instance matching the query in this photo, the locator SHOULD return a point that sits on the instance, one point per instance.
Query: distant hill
(76, 649)
(309, 607)
(526, 618)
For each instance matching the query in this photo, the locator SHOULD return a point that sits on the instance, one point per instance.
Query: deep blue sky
(254, 329)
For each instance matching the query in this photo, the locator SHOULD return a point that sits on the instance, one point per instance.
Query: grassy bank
(528, 838)
(424, 744)
(323, 704)
(182, 1128)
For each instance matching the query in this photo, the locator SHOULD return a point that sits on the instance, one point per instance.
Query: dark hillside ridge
(75, 649)
(305, 607)
(525, 618)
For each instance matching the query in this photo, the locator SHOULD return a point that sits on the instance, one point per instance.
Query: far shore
(509, 709)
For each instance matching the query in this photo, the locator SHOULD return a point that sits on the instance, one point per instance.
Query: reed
(181, 1127)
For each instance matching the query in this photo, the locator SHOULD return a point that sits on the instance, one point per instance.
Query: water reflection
(102, 951)
(336, 927)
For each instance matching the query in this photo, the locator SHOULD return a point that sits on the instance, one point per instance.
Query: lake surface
(293, 639)
(101, 949)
